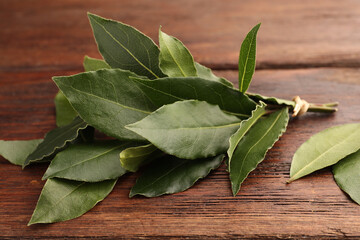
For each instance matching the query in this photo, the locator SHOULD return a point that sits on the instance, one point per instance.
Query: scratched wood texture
(305, 48)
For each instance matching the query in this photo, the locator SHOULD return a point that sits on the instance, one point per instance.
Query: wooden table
(307, 48)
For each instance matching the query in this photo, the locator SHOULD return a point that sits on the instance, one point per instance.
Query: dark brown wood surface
(306, 48)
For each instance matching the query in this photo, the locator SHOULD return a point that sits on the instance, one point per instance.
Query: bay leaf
(17, 151)
(63, 199)
(109, 99)
(206, 73)
(124, 47)
(247, 59)
(188, 129)
(55, 141)
(93, 64)
(347, 175)
(253, 147)
(94, 162)
(175, 59)
(65, 113)
(244, 128)
(325, 149)
(133, 158)
(169, 175)
(168, 90)
(271, 100)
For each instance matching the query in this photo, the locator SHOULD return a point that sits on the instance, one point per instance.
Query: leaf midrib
(86, 160)
(190, 128)
(167, 47)
(310, 163)
(250, 149)
(247, 58)
(126, 49)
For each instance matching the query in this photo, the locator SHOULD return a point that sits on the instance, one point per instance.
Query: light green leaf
(171, 175)
(244, 128)
(133, 158)
(206, 73)
(17, 151)
(62, 199)
(93, 64)
(109, 99)
(325, 149)
(271, 100)
(188, 129)
(55, 141)
(252, 148)
(169, 90)
(347, 175)
(247, 59)
(65, 113)
(175, 59)
(94, 162)
(123, 46)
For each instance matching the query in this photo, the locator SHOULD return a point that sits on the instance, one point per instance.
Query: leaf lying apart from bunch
(171, 117)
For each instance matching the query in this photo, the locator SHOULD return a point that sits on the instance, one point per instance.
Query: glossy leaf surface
(183, 129)
(169, 90)
(206, 73)
(65, 113)
(133, 158)
(62, 199)
(244, 128)
(247, 59)
(171, 175)
(325, 149)
(17, 151)
(111, 100)
(115, 100)
(56, 140)
(94, 162)
(123, 46)
(175, 59)
(347, 175)
(271, 100)
(252, 148)
(93, 64)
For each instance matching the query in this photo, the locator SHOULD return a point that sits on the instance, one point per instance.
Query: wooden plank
(265, 208)
(56, 35)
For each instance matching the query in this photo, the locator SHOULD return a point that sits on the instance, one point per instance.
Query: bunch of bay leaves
(164, 114)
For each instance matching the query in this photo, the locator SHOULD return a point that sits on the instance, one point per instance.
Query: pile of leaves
(168, 115)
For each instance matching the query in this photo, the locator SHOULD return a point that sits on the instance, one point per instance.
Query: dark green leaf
(65, 113)
(252, 148)
(62, 199)
(325, 149)
(244, 128)
(188, 129)
(124, 47)
(17, 151)
(175, 59)
(247, 59)
(347, 175)
(169, 90)
(271, 100)
(109, 99)
(88, 162)
(133, 158)
(206, 73)
(171, 175)
(93, 64)
(55, 141)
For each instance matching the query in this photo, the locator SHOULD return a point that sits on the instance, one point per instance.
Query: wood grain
(38, 35)
(266, 208)
(40, 39)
